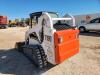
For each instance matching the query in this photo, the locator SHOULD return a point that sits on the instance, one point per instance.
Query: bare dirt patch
(87, 62)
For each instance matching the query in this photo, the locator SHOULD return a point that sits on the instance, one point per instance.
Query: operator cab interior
(34, 17)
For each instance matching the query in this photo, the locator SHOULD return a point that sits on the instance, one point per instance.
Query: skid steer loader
(50, 39)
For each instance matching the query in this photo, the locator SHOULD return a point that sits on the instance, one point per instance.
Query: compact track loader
(50, 39)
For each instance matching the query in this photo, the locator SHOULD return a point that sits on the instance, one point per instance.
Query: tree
(27, 20)
(16, 20)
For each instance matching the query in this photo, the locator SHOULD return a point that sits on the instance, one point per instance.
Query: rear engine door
(66, 44)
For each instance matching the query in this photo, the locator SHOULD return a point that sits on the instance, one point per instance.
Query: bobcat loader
(50, 39)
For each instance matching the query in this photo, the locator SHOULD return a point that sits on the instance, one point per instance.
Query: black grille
(62, 27)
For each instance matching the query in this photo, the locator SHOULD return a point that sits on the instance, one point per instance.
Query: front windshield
(61, 25)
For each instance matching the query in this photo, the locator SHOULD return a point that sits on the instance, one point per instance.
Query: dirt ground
(87, 62)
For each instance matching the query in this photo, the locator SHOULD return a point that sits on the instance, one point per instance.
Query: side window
(34, 21)
(95, 20)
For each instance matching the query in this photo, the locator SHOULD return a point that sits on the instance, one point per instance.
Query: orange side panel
(69, 45)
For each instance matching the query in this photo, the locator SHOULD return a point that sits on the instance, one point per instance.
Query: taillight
(77, 35)
(60, 40)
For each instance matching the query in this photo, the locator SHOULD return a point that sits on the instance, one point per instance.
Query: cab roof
(40, 13)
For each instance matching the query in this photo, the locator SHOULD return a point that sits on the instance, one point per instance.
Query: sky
(22, 8)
